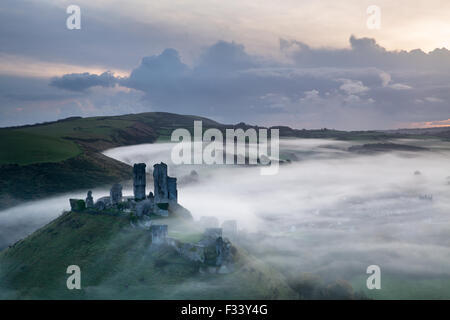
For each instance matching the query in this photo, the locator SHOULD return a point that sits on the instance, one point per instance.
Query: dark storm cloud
(157, 71)
(31, 100)
(226, 57)
(365, 52)
(364, 86)
(82, 81)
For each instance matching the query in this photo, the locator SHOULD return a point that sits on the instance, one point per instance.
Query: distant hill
(45, 159)
(438, 132)
(384, 147)
(117, 261)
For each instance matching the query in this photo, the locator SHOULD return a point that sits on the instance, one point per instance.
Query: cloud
(157, 71)
(365, 52)
(363, 87)
(32, 100)
(225, 57)
(353, 87)
(83, 81)
(433, 99)
(400, 86)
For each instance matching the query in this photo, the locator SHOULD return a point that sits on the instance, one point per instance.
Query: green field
(24, 148)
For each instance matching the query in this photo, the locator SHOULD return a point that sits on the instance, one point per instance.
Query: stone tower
(115, 194)
(165, 186)
(139, 181)
(160, 182)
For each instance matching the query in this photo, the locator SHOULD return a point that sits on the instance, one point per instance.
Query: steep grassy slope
(117, 261)
(30, 182)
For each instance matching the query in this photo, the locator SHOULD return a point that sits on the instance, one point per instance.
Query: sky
(306, 64)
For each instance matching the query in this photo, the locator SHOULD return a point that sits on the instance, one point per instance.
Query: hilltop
(145, 246)
(117, 262)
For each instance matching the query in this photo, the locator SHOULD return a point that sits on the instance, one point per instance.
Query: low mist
(327, 211)
(330, 211)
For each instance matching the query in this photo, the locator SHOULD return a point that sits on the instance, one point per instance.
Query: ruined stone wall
(191, 251)
(172, 189)
(159, 233)
(115, 194)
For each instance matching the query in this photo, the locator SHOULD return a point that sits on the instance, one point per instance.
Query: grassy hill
(64, 139)
(117, 262)
(49, 158)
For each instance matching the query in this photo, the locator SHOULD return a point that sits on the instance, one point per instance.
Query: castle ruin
(164, 198)
(160, 202)
(165, 187)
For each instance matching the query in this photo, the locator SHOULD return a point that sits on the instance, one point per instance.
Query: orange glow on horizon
(430, 124)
